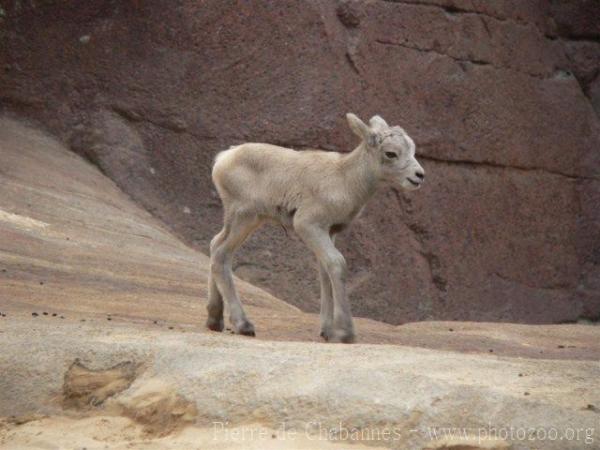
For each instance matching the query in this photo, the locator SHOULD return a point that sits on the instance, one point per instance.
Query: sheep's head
(394, 149)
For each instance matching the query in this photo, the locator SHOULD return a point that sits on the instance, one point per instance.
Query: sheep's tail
(223, 155)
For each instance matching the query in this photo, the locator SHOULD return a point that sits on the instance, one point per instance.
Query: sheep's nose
(420, 174)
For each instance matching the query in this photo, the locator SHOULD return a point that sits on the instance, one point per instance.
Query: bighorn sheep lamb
(315, 193)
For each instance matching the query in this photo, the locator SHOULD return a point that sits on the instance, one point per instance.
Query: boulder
(499, 98)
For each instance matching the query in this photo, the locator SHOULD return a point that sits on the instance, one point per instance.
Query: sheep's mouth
(413, 182)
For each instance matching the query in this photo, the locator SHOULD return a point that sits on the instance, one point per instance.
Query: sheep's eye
(391, 155)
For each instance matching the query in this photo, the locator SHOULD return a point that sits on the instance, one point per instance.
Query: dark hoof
(214, 324)
(325, 336)
(246, 329)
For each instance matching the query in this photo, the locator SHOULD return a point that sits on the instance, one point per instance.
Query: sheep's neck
(361, 174)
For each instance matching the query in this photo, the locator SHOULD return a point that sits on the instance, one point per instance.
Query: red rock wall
(499, 97)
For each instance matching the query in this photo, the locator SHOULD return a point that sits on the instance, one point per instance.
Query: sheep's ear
(377, 123)
(358, 126)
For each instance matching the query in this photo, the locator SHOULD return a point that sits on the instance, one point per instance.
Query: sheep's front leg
(319, 241)
(326, 303)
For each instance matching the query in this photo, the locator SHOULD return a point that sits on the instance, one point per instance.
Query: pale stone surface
(305, 387)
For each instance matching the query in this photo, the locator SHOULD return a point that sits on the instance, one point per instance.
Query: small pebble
(109, 318)
(41, 283)
(450, 329)
(170, 328)
(34, 314)
(491, 350)
(54, 314)
(45, 313)
(82, 320)
(561, 346)
(520, 374)
(155, 322)
(525, 393)
(62, 317)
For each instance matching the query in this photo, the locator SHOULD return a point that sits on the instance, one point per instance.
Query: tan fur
(312, 192)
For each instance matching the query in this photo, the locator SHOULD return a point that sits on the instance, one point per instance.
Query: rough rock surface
(101, 314)
(499, 97)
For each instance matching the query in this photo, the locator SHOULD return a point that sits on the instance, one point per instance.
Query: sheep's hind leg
(214, 307)
(214, 321)
(241, 226)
